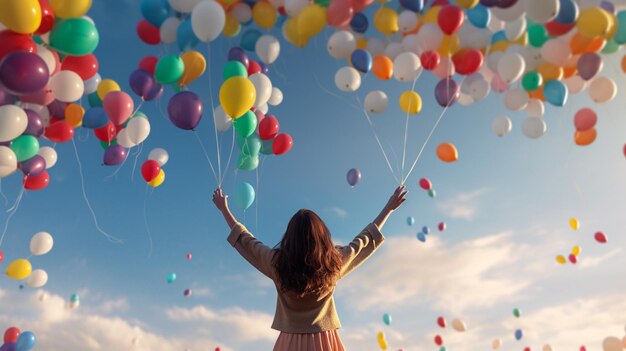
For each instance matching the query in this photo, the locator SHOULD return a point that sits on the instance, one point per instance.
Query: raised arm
(221, 202)
(396, 199)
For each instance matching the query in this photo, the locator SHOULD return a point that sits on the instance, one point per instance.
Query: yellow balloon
(21, 16)
(311, 20)
(264, 14)
(410, 102)
(74, 114)
(231, 26)
(500, 46)
(292, 34)
(195, 64)
(576, 250)
(594, 21)
(449, 45)
(237, 96)
(19, 269)
(431, 15)
(70, 8)
(467, 4)
(561, 259)
(158, 180)
(382, 1)
(361, 43)
(549, 71)
(381, 341)
(106, 86)
(386, 21)
(612, 27)
(573, 222)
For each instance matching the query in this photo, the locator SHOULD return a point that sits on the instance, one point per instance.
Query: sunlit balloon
(561, 259)
(574, 223)
(496, 344)
(41, 243)
(612, 343)
(425, 184)
(347, 79)
(447, 152)
(534, 127)
(600, 237)
(410, 102)
(37, 278)
(376, 102)
(501, 125)
(353, 176)
(19, 269)
(459, 325)
(602, 89)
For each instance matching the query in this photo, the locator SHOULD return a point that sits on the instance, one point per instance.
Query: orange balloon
(624, 64)
(382, 67)
(447, 152)
(361, 43)
(584, 138)
(569, 71)
(549, 71)
(537, 94)
(74, 114)
(581, 43)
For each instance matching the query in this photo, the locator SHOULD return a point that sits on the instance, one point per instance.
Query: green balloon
(234, 69)
(74, 36)
(322, 3)
(432, 193)
(266, 147)
(246, 124)
(247, 162)
(516, 312)
(169, 69)
(611, 47)
(94, 100)
(532, 80)
(25, 147)
(106, 144)
(537, 35)
(250, 145)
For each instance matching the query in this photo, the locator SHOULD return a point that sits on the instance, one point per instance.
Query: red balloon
(59, 132)
(1, 256)
(85, 66)
(467, 61)
(339, 13)
(450, 19)
(526, 348)
(440, 3)
(47, 18)
(11, 334)
(360, 5)
(438, 340)
(11, 41)
(583, 348)
(217, 349)
(430, 60)
(442, 226)
(148, 33)
(282, 11)
(268, 128)
(556, 29)
(426, 184)
(148, 64)
(37, 182)
(106, 133)
(253, 67)
(573, 258)
(600, 237)
(150, 170)
(282, 144)
(441, 322)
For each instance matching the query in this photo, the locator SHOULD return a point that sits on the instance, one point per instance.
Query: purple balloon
(353, 176)
(489, 3)
(505, 4)
(23, 73)
(141, 82)
(447, 92)
(5, 98)
(155, 92)
(8, 346)
(35, 125)
(608, 6)
(34, 166)
(589, 64)
(5, 143)
(264, 67)
(57, 109)
(114, 155)
(185, 110)
(238, 54)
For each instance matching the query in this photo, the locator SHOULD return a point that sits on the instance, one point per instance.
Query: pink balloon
(339, 13)
(585, 119)
(43, 97)
(600, 237)
(498, 84)
(425, 184)
(118, 106)
(573, 258)
(442, 226)
(583, 348)
(259, 117)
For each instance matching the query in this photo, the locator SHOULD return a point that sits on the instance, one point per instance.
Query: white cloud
(588, 262)
(463, 205)
(337, 211)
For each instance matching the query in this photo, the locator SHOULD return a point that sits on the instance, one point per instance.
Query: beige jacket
(310, 314)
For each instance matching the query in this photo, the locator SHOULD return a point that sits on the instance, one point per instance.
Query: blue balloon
(518, 334)
(171, 277)
(426, 230)
(412, 5)
(387, 319)
(568, 12)
(359, 23)
(249, 38)
(421, 237)
(279, 21)
(555, 92)
(25, 341)
(498, 36)
(361, 60)
(620, 35)
(479, 16)
(244, 195)
(155, 11)
(185, 37)
(95, 117)
(410, 220)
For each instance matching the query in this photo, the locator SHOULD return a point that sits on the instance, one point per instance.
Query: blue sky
(506, 202)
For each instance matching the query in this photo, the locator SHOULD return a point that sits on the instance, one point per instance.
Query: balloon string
(256, 205)
(12, 211)
(217, 146)
(93, 213)
(206, 155)
(145, 219)
(406, 125)
(335, 95)
(107, 178)
(138, 107)
(140, 148)
(230, 155)
(6, 200)
(395, 157)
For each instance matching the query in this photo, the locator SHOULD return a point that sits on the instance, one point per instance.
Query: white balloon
(501, 125)
(45, 38)
(511, 67)
(602, 89)
(393, 49)
(294, 7)
(516, 99)
(411, 43)
(168, 30)
(49, 155)
(548, 348)
(41, 110)
(375, 46)
(514, 29)
(465, 99)
(407, 20)
(496, 344)
(445, 68)
(13, 122)
(341, 44)
(263, 108)
(183, 6)
(37, 278)
(542, 11)
(267, 48)
(159, 155)
(407, 67)
(8, 161)
(137, 130)
(347, 79)
(476, 86)
(41, 243)
(222, 120)
(493, 59)
(575, 84)
(263, 86)
(459, 325)
(534, 127)
(472, 37)
(376, 102)
(91, 84)
(556, 51)
(67, 86)
(123, 139)
(532, 58)
(276, 98)
(242, 12)
(509, 14)
(430, 37)
(535, 108)
(207, 20)
(48, 57)
(495, 24)
(612, 343)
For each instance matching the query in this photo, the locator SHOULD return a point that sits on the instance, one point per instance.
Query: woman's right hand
(397, 198)
(220, 200)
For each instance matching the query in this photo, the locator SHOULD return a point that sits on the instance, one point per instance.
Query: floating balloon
(438, 340)
(353, 176)
(185, 110)
(516, 312)
(158, 180)
(425, 184)
(441, 226)
(612, 343)
(585, 119)
(496, 344)
(584, 138)
(534, 127)
(237, 95)
(600, 237)
(410, 220)
(37, 278)
(207, 20)
(574, 223)
(19, 269)
(501, 126)
(243, 195)
(602, 89)
(447, 152)
(347, 79)
(561, 259)
(441, 322)
(376, 102)
(572, 258)
(382, 342)
(387, 319)
(421, 237)
(41, 243)
(25, 342)
(410, 102)
(171, 278)
(447, 92)
(459, 325)
(187, 292)
(432, 193)
(518, 334)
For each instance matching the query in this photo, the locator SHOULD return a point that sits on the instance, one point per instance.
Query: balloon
(441, 321)
(159, 155)
(459, 325)
(447, 152)
(222, 121)
(432, 193)
(187, 293)
(410, 220)
(447, 92)
(542, 11)
(518, 334)
(141, 82)
(106, 86)
(13, 122)
(67, 86)
(361, 60)
(37, 278)
(339, 13)
(589, 64)
(555, 92)
(158, 180)
(387, 319)
(185, 110)
(148, 64)
(382, 67)
(188, 256)
(594, 21)
(268, 128)
(353, 176)
(347, 79)
(8, 161)
(237, 95)
(600, 237)
(171, 278)
(406, 67)
(150, 170)
(438, 340)
(249, 39)
(246, 124)
(516, 312)
(74, 36)
(311, 20)
(33, 166)
(267, 47)
(23, 73)
(535, 108)
(243, 195)
(253, 67)
(48, 154)
(263, 87)
(207, 20)
(532, 81)
(496, 344)
(515, 99)
(137, 130)
(155, 11)
(602, 89)
(574, 224)
(425, 184)
(561, 259)
(234, 69)
(25, 147)
(359, 23)
(501, 126)
(381, 340)
(21, 16)
(584, 138)
(19, 269)
(169, 69)
(194, 66)
(85, 66)
(25, 341)
(585, 119)
(441, 226)
(410, 102)
(386, 21)
(74, 114)
(13, 42)
(341, 44)
(185, 37)
(612, 343)
(534, 127)
(276, 98)
(11, 334)
(515, 29)
(510, 67)
(118, 106)
(247, 162)
(264, 14)
(376, 102)
(115, 155)
(168, 30)
(412, 5)
(282, 144)
(576, 250)
(106, 133)
(450, 19)
(467, 61)
(249, 146)
(478, 16)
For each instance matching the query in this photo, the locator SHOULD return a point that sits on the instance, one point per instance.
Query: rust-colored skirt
(323, 341)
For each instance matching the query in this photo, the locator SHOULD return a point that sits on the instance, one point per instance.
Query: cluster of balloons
(457, 324)
(21, 268)
(585, 122)
(353, 177)
(16, 340)
(427, 185)
(421, 236)
(151, 170)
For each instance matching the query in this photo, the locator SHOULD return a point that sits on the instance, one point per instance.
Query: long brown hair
(306, 260)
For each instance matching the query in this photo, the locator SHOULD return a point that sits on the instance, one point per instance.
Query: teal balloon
(234, 69)
(620, 35)
(443, 348)
(410, 220)
(171, 278)
(74, 36)
(432, 193)
(94, 100)
(246, 124)
(421, 237)
(248, 162)
(532, 81)
(537, 35)
(244, 195)
(25, 147)
(26, 341)
(479, 16)
(387, 319)
(611, 46)
(74, 298)
(250, 145)
(105, 144)
(266, 147)
(186, 39)
(169, 69)
(249, 38)
(555, 92)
